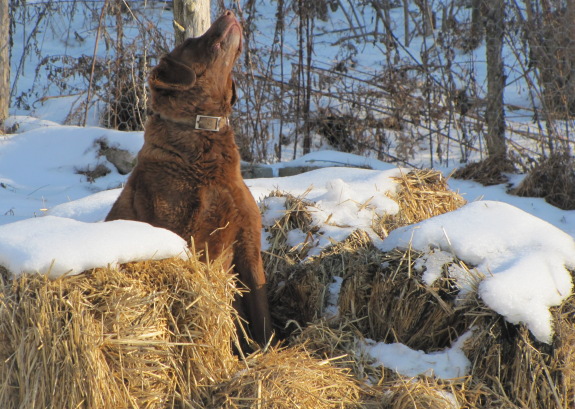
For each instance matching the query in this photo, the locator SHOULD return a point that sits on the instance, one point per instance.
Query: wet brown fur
(189, 181)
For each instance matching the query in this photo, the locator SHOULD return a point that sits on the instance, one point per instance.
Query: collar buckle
(210, 123)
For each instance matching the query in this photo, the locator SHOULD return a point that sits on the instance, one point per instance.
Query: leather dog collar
(201, 122)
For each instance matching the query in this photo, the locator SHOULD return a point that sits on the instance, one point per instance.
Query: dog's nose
(229, 13)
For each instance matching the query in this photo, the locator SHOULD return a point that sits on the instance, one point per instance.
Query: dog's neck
(199, 122)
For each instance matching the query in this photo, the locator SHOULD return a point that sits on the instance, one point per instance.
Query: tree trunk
(4, 60)
(191, 18)
(494, 11)
(307, 101)
(476, 31)
(427, 17)
(406, 22)
(550, 31)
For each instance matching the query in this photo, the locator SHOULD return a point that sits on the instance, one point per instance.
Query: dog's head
(197, 75)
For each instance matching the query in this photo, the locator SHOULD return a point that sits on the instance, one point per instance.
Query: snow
(523, 258)
(447, 364)
(432, 265)
(56, 246)
(332, 309)
(274, 209)
(91, 209)
(344, 199)
(39, 167)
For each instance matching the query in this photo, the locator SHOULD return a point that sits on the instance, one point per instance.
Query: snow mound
(57, 246)
(90, 209)
(448, 364)
(525, 260)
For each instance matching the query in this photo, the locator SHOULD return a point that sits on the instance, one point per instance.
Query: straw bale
(510, 369)
(383, 297)
(422, 193)
(357, 261)
(517, 370)
(403, 309)
(149, 335)
(298, 290)
(552, 179)
(391, 303)
(382, 388)
(299, 293)
(287, 378)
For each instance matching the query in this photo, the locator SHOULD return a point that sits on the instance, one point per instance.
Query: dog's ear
(172, 75)
(234, 93)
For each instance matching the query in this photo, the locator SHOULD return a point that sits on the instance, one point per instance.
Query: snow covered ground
(51, 222)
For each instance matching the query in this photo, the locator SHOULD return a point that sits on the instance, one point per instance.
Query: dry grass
(515, 370)
(490, 171)
(296, 291)
(510, 369)
(287, 378)
(552, 179)
(382, 388)
(341, 338)
(422, 194)
(383, 297)
(297, 216)
(298, 294)
(398, 307)
(423, 393)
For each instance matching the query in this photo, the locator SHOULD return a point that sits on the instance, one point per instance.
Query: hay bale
(517, 371)
(383, 297)
(286, 378)
(552, 179)
(401, 308)
(152, 334)
(357, 261)
(298, 291)
(386, 296)
(381, 388)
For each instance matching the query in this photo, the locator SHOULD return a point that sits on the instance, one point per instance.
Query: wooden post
(191, 18)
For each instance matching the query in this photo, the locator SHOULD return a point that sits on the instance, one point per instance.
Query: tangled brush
(552, 179)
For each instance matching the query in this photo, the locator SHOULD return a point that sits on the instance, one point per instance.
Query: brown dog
(188, 178)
